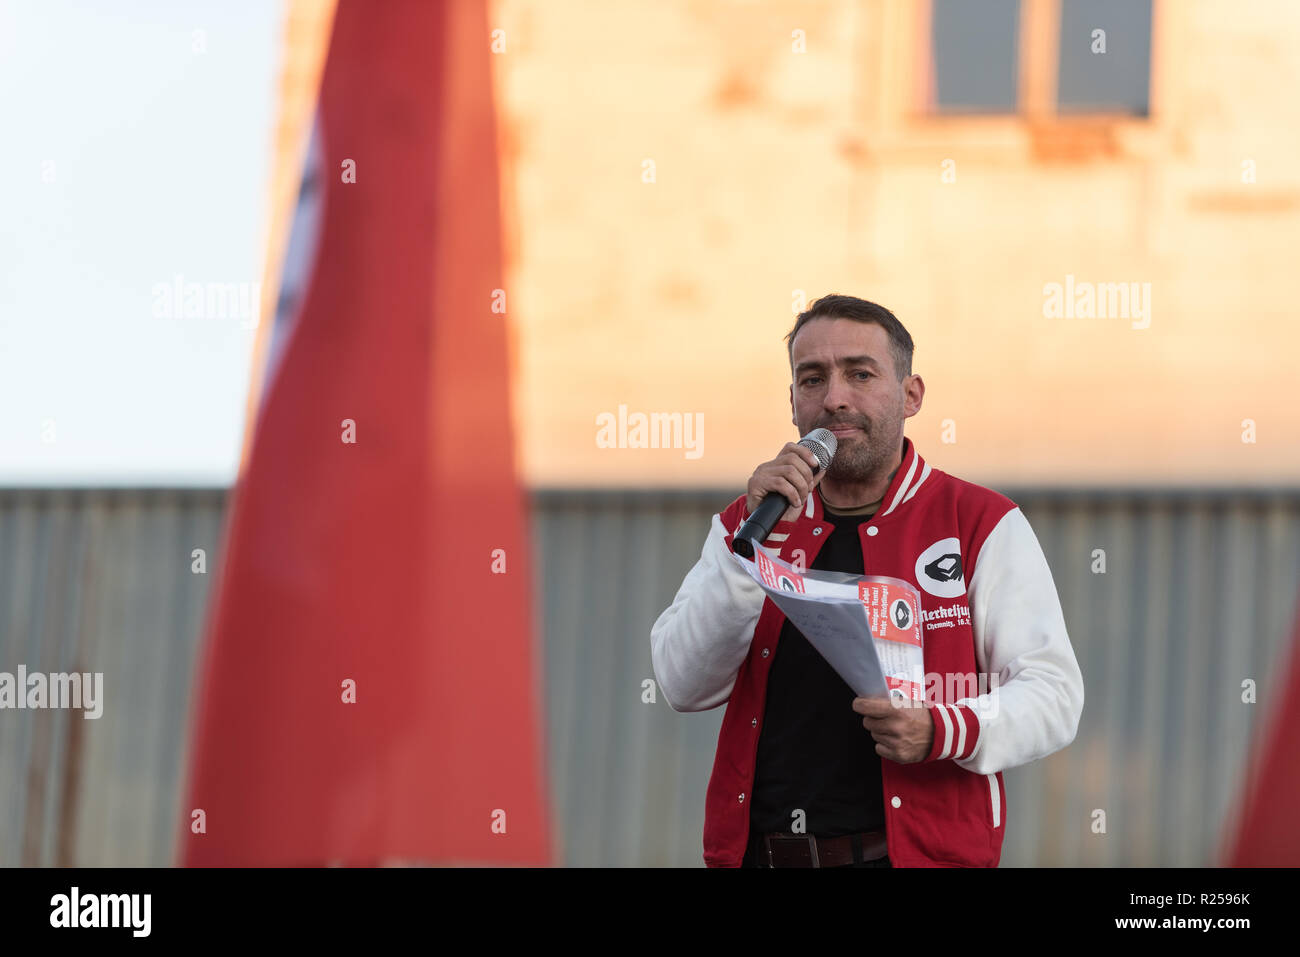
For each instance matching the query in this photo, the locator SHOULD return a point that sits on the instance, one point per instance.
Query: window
(1039, 57)
(975, 55)
(1114, 81)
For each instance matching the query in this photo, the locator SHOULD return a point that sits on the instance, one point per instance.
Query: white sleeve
(1033, 704)
(701, 639)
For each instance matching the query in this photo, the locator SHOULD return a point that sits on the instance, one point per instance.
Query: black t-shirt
(813, 752)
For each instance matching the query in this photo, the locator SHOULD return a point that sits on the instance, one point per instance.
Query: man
(806, 774)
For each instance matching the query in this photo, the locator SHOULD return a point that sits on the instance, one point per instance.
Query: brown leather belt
(807, 850)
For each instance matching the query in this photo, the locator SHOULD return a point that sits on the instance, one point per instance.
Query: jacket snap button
(753, 722)
(817, 531)
(764, 652)
(742, 797)
(895, 801)
(872, 530)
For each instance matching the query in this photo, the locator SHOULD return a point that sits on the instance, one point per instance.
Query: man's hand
(789, 474)
(902, 728)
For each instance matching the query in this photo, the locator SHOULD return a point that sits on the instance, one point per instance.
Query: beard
(857, 458)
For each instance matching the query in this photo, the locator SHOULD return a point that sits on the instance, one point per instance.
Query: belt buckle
(812, 848)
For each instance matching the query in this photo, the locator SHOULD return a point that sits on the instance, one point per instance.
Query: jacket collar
(911, 474)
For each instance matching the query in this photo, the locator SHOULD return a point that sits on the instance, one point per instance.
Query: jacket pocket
(995, 799)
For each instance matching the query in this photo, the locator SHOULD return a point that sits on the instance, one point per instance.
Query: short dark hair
(836, 306)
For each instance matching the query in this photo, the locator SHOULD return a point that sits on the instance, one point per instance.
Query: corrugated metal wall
(1198, 595)
(100, 581)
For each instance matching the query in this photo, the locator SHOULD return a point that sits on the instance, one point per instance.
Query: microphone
(821, 443)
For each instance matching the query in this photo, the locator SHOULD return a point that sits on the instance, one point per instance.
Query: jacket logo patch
(945, 568)
(939, 569)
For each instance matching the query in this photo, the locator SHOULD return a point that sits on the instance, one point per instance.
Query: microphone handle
(760, 524)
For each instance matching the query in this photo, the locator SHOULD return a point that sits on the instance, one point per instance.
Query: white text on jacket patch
(947, 616)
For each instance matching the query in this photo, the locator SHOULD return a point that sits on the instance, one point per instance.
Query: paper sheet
(867, 627)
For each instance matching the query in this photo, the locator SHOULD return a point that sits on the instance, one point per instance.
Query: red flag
(366, 691)
(1265, 832)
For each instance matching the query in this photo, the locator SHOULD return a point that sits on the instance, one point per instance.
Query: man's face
(844, 380)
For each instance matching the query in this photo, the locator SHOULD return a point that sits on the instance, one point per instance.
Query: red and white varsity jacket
(1003, 685)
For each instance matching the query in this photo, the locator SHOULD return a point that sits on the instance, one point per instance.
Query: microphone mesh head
(821, 442)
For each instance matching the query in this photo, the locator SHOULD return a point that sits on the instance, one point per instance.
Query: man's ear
(915, 394)
(793, 421)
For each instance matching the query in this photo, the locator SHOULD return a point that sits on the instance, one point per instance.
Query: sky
(136, 156)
